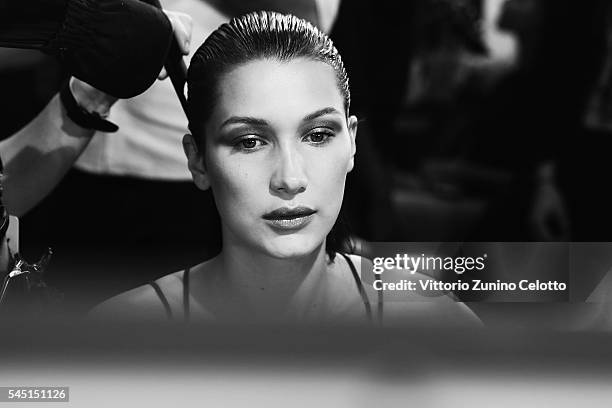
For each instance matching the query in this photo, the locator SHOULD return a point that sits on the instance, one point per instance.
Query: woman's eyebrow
(244, 120)
(320, 112)
(248, 120)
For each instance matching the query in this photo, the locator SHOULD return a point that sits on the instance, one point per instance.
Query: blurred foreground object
(24, 292)
(325, 367)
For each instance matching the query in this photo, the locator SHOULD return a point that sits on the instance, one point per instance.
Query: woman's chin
(292, 246)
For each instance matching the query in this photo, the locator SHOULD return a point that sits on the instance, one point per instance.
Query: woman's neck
(267, 285)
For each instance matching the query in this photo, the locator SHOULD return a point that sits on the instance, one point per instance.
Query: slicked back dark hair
(254, 36)
(259, 36)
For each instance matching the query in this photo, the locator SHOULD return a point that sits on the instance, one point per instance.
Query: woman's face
(278, 149)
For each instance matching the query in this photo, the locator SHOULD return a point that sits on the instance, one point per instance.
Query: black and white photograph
(303, 203)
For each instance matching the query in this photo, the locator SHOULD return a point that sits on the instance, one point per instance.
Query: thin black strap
(186, 293)
(380, 301)
(364, 296)
(163, 299)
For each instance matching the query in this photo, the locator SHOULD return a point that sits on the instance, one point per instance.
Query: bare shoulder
(141, 303)
(409, 304)
(360, 263)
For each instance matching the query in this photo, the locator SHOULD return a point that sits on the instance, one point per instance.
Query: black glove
(116, 46)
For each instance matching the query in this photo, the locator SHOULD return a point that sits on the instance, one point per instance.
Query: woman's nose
(289, 177)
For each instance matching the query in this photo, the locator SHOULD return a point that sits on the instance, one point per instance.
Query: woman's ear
(352, 128)
(195, 162)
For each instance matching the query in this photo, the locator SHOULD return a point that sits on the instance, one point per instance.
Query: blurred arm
(38, 156)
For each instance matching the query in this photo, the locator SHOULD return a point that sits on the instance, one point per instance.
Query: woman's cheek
(333, 177)
(226, 174)
(223, 184)
(236, 188)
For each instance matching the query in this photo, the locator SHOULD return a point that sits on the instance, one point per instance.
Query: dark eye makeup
(248, 138)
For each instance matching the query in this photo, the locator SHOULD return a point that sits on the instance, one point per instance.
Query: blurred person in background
(362, 25)
(529, 127)
(120, 63)
(583, 168)
(36, 157)
(403, 98)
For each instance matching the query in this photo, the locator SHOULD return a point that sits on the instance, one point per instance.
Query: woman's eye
(318, 138)
(249, 143)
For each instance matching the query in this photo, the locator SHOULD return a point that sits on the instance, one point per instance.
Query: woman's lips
(289, 218)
